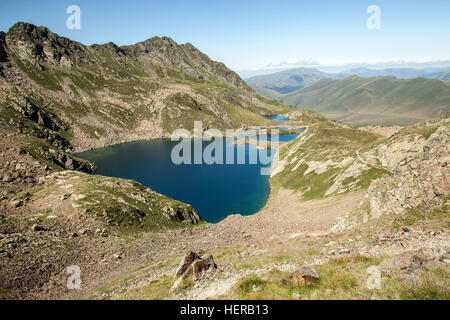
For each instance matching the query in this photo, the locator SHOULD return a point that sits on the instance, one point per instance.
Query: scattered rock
(37, 228)
(445, 258)
(343, 252)
(102, 232)
(195, 265)
(117, 256)
(407, 229)
(305, 275)
(65, 196)
(256, 288)
(83, 231)
(15, 203)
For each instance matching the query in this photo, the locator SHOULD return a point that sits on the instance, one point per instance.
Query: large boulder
(193, 265)
(305, 275)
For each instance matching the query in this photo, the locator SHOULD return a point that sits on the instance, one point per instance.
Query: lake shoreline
(141, 142)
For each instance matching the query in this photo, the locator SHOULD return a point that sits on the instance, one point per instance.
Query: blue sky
(251, 34)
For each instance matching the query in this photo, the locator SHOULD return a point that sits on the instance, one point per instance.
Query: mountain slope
(287, 81)
(324, 161)
(105, 94)
(399, 224)
(274, 86)
(379, 100)
(401, 73)
(58, 96)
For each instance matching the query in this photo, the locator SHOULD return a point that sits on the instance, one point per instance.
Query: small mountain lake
(278, 118)
(215, 191)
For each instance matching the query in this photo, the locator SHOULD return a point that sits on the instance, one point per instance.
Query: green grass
(421, 213)
(155, 290)
(379, 100)
(3, 294)
(325, 142)
(340, 279)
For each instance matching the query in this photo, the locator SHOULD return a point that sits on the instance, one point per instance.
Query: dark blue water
(215, 191)
(281, 137)
(278, 118)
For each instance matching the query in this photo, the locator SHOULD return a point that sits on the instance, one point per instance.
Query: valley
(367, 98)
(86, 179)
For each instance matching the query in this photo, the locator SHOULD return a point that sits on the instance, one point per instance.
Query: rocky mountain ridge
(418, 158)
(105, 94)
(57, 96)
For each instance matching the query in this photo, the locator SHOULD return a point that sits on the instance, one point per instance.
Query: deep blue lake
(215, 191)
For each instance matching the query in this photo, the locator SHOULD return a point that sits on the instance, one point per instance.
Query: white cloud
(293, 62)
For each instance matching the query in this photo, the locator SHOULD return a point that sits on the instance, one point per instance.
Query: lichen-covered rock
(420, 178)
(193, 265)
(119, 204)
(305, 275)
(184, 214)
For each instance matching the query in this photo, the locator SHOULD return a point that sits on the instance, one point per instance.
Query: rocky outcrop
(193, 265)
(305, 275)
(122, 205)
(35, 114)
(420, 178)
(182, 214)
(106, 94)
(424, 180)
(3, 53)
(38, 44)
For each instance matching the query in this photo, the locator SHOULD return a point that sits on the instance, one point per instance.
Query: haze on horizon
(257, 35)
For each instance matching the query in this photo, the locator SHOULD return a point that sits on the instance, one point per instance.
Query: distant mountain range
(288, 81)
(376, 100)
(362, 96)
(294, 79)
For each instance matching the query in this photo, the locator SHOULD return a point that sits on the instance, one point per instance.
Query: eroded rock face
(3, 53)
(193, 265)
(423, 181)
(419, 179)
(38, 44)
(35, 114)
(182, 214)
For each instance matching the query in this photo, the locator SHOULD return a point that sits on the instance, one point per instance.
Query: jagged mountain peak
(38, 45)
(105, 93)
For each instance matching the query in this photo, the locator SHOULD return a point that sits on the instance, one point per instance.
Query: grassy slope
(101, 97)
(326, 144)
(378, 100)
(122, 205)
(129, 85)
(340, 277)
(286, 81)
